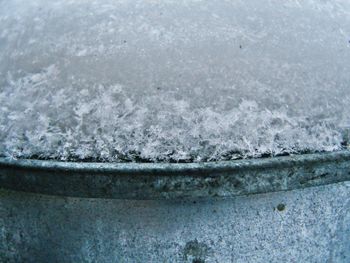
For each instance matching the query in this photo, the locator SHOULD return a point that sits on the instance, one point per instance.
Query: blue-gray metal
(301, 225)
(305, 225)
(168, 181)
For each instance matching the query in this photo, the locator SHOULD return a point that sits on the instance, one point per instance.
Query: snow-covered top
(168, 80)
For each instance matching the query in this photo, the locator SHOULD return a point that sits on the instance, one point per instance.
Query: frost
(102, 123)
(171, 82)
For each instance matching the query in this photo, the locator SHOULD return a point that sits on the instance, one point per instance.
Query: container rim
(132, 167)
(174, 180)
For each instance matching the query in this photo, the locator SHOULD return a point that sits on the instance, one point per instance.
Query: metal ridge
(174, 180)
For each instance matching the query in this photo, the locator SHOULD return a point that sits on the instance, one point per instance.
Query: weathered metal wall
(308, 225)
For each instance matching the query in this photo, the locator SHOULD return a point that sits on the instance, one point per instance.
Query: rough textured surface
(168, 181)
(309, 225)
(173, 80)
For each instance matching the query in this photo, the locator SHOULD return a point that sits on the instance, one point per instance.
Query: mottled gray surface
(170, 80)
(314, 226)
(145, 181)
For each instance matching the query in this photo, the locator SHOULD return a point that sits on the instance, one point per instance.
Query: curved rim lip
(285, 161)
(156, 181)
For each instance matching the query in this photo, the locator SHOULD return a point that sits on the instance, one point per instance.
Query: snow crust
(173, 81)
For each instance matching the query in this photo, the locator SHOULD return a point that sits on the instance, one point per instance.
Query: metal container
(99, 212)
(283, 209)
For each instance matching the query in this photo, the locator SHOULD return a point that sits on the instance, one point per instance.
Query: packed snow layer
(167, 80)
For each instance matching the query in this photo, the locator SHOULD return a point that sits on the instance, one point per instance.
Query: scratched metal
(167, 181)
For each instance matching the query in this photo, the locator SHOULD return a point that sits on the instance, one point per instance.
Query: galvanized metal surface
(166, 181)
(306, 225)
(302, 225)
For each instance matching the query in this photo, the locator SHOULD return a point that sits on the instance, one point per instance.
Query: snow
(173, 81)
